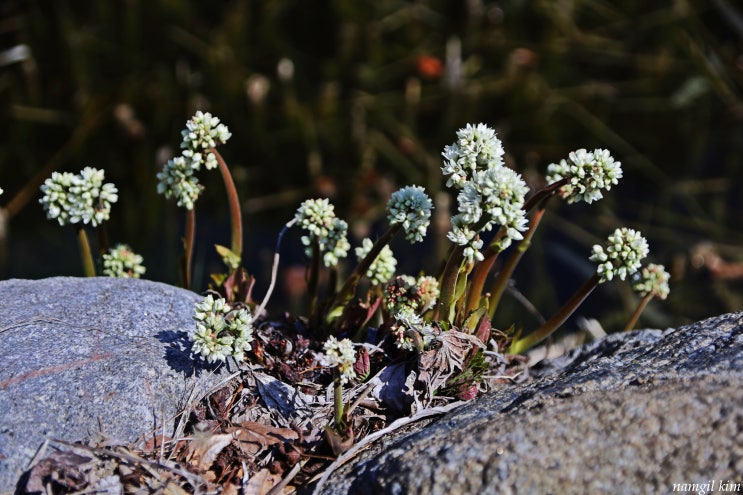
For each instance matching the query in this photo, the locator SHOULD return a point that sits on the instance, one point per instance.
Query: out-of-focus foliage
(349, 99)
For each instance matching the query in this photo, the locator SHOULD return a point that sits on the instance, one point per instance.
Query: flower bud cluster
(405, 293)
(383, 267)
(589, 173)
(411, 331)
(122, 262)
(202, 133)
(340, 354)
(652, 279)
(622, 254)
(72, 199)
(489, 192)
(317, 217)
(411, 207)
(177, 179)
(221, 331)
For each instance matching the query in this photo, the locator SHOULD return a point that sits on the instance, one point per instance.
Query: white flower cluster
(177, 180)
(489, 192)
(317, 217)
(476, 148)
(411, 331)
(340, 353)
(652, 279)
(411, 207)
(623, 255)
(221, 331)
(589, 173)
(203, 132)
(72, 199)
(383, 267)
(122, 262)
(1, 190)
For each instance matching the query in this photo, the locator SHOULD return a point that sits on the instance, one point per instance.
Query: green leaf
(229, 257)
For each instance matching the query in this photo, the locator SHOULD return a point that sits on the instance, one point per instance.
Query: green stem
(85, 254)
(234, 202)
(557, 319)
(449, 283)
(338, 401)
(501, 280)
(638, 311)
(313, 276)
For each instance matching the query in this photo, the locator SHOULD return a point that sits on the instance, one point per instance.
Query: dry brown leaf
(255, 437)
(261, 482)
(205, 447)
(435, 366)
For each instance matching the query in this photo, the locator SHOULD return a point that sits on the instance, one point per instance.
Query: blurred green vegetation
(351, 99)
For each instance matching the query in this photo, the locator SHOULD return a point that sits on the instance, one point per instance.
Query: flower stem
(85, 253)
(499, 286)
(349, 287)
(234, 202)
(313, 276)
(338, 401)
(638, 311)
(449, 283)
(188, 242)
(557, 319)
(480, 273)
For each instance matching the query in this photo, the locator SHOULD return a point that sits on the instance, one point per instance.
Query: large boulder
(90, 359)
(639, 412)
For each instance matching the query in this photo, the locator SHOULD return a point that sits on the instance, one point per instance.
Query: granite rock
(92, 358)
(636, 412)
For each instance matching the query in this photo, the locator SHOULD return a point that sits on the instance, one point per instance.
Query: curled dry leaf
(205, 447)
(446, 357)
(255, 437)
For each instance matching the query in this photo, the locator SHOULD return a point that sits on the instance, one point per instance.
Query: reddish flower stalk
(234, 202)
(638, 311)
(188, 243)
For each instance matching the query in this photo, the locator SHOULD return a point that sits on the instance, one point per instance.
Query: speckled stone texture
(90, 358)
(633, 413)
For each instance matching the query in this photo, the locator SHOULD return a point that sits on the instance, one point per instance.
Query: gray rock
(91, 358)
(635, 412)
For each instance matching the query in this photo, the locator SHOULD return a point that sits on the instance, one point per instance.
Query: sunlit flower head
(340, 354)
(622, 254)
(122, 262)
(72, 199)
(411, 332)
(383, 267)
(221, 331)
(203, 132)
(411, 207)
(652, 279)
(476, 148)
(589, 173)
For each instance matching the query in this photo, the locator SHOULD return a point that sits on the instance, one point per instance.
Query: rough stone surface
(85, 358)
(633, 413)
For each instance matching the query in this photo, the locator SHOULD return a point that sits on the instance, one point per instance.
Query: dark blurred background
(352, 99)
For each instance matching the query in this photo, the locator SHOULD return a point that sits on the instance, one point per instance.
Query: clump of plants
(374, 345)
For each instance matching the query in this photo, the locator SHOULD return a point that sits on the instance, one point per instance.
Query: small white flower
(122, 262)
(411, 207)
(409, 327)
(588, 173)
(340, 354)
(622, 254)
(652, 279)
(56, 200)
(383, 267)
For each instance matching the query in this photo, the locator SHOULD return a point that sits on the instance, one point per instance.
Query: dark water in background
(362, 115)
